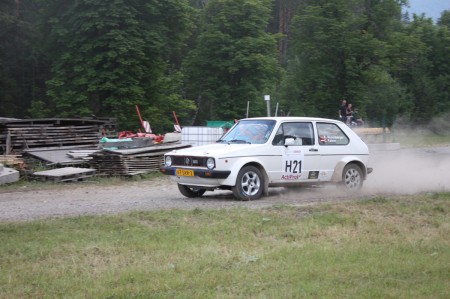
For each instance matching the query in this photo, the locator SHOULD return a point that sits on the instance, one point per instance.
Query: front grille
(189, 161)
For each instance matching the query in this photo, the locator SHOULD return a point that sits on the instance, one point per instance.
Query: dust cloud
(395, 172)
(412, 170)
(409, 171)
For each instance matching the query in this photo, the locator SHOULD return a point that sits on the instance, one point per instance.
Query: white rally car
(258, 153)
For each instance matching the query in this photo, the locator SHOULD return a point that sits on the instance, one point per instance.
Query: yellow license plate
(184, 172)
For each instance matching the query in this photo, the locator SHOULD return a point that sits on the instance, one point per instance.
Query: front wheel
(352, 177)
(249, 184)
(191, 192)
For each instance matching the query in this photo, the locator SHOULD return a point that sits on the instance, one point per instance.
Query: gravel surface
(406, 171)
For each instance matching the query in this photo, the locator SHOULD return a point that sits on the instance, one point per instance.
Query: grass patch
(422, 139)
(377, 248)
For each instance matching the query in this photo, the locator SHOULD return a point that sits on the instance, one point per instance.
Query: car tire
(191, 192)
(352, 177)
(249, 184)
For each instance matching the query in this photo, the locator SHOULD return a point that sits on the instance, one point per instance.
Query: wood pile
(19, 135)
(82, 155)
(131, 162)
(12, 160)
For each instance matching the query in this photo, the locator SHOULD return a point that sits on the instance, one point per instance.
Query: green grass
(377, 248)
(421, 139)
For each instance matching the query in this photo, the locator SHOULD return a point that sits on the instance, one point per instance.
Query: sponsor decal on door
(292, 164)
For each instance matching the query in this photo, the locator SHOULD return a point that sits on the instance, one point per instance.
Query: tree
(234, 60)
(338, 49)
(283, 13)
(411, 54)
(22, 70)
(444, 20)
(111, 55)
(441, 63)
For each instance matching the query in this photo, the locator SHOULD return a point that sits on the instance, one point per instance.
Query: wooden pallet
(19, 135)
(123, 165)
(131, 162)
(66, 174)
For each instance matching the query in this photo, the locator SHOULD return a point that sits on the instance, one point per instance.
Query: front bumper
(202, 173)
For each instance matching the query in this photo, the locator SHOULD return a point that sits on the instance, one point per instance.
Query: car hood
(218, 150)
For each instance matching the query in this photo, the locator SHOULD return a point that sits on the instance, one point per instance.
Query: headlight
(210, 163)
(168, 161)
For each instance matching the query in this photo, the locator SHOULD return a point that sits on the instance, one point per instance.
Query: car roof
(293, 118)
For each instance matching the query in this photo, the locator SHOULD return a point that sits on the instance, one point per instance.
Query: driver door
(297, 154)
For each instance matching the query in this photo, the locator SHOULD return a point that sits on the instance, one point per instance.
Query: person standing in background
(343, 111)
(349, 114)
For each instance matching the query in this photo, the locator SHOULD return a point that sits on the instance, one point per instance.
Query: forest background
(209, 59)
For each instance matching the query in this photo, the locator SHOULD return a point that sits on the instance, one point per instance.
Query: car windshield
(249, 131)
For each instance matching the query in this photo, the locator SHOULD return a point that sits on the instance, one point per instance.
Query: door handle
(313, 150)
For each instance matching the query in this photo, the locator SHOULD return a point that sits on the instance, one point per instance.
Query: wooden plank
(153, 148)
(47, 127)
(125, 164)
(32, 133)
(371, 131)
(65, 174)
(8, 143)
(11, 160)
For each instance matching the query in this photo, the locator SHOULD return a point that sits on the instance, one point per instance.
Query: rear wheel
(249, 184)
(191, 191)
(352, 177)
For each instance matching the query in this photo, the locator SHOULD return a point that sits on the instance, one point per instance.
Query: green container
(219, 124)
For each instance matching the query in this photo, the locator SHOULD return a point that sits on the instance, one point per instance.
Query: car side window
(331, 134)
(301, 132)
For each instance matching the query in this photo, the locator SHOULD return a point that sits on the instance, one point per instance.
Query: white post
(248, 105)
(267, 99)
(276, 110)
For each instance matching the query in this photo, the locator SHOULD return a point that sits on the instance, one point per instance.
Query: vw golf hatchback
(258, 153)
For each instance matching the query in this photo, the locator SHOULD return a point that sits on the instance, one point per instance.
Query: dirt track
(406, 171)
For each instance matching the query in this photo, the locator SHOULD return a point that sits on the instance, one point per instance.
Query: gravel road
(406, 171)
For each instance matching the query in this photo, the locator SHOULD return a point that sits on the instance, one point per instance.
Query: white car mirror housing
(289, 141)
(293, 141)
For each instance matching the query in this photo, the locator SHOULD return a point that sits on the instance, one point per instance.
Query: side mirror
(289, 141)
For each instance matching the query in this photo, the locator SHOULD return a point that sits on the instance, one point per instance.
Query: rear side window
(331, 134)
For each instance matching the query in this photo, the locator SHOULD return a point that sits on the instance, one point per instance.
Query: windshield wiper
(239, 141)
